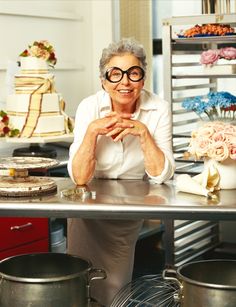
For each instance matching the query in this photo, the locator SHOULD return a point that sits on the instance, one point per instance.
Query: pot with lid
(46, 279)
(210, 283)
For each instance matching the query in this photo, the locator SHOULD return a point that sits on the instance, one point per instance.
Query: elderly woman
(121, 132)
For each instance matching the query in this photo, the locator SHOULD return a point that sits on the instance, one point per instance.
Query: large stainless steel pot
(46, 279)
(210, 283)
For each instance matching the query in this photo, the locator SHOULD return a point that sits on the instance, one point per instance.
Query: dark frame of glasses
(127, 72)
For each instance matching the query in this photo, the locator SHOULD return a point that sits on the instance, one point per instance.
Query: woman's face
(124, 93)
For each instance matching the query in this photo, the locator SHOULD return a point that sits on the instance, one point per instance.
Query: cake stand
(35, 149)
(16, 182)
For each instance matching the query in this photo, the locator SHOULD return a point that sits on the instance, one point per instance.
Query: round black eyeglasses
(115, 74)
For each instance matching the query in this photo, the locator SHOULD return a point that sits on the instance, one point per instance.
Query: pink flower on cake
(41, 49)
(215, 140)
(228, 53)
(39, 53)
(209, 57)
(45, 43)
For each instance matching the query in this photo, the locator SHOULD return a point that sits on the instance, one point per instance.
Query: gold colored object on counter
(78, 193)
(12, 172)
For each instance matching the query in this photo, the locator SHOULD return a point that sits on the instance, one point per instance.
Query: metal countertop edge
(124, 212)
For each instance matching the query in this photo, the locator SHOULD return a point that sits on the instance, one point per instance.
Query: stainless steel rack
(186, 240)
(181, 79)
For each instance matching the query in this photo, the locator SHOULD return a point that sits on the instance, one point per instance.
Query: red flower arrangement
(5, 129)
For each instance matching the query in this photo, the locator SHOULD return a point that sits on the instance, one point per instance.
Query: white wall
(78, 31)
(170, 8)
(103, 33)
(165, 9)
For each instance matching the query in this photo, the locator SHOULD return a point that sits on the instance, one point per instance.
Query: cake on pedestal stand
(15, 180)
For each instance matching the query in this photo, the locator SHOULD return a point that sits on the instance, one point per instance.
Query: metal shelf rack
(186, 240)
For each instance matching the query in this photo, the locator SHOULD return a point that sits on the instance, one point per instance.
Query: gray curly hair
(125, 45)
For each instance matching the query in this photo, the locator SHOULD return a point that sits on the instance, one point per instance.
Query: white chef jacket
(110, 244)
(124, 159)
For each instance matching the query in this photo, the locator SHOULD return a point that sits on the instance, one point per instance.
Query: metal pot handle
(94, 274)
(178, 297)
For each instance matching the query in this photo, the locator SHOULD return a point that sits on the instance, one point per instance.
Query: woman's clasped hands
(120, 125)
(117, 126)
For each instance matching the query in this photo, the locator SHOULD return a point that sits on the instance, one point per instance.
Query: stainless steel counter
(125, 199)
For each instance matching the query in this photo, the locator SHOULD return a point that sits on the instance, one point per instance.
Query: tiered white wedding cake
(36, 109)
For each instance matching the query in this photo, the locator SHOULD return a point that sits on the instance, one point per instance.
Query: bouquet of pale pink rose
(211, 56)
(215, 140)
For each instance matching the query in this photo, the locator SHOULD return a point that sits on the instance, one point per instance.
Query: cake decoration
(5, 128)
(35, 108)
(42, 50)
(208, 30)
